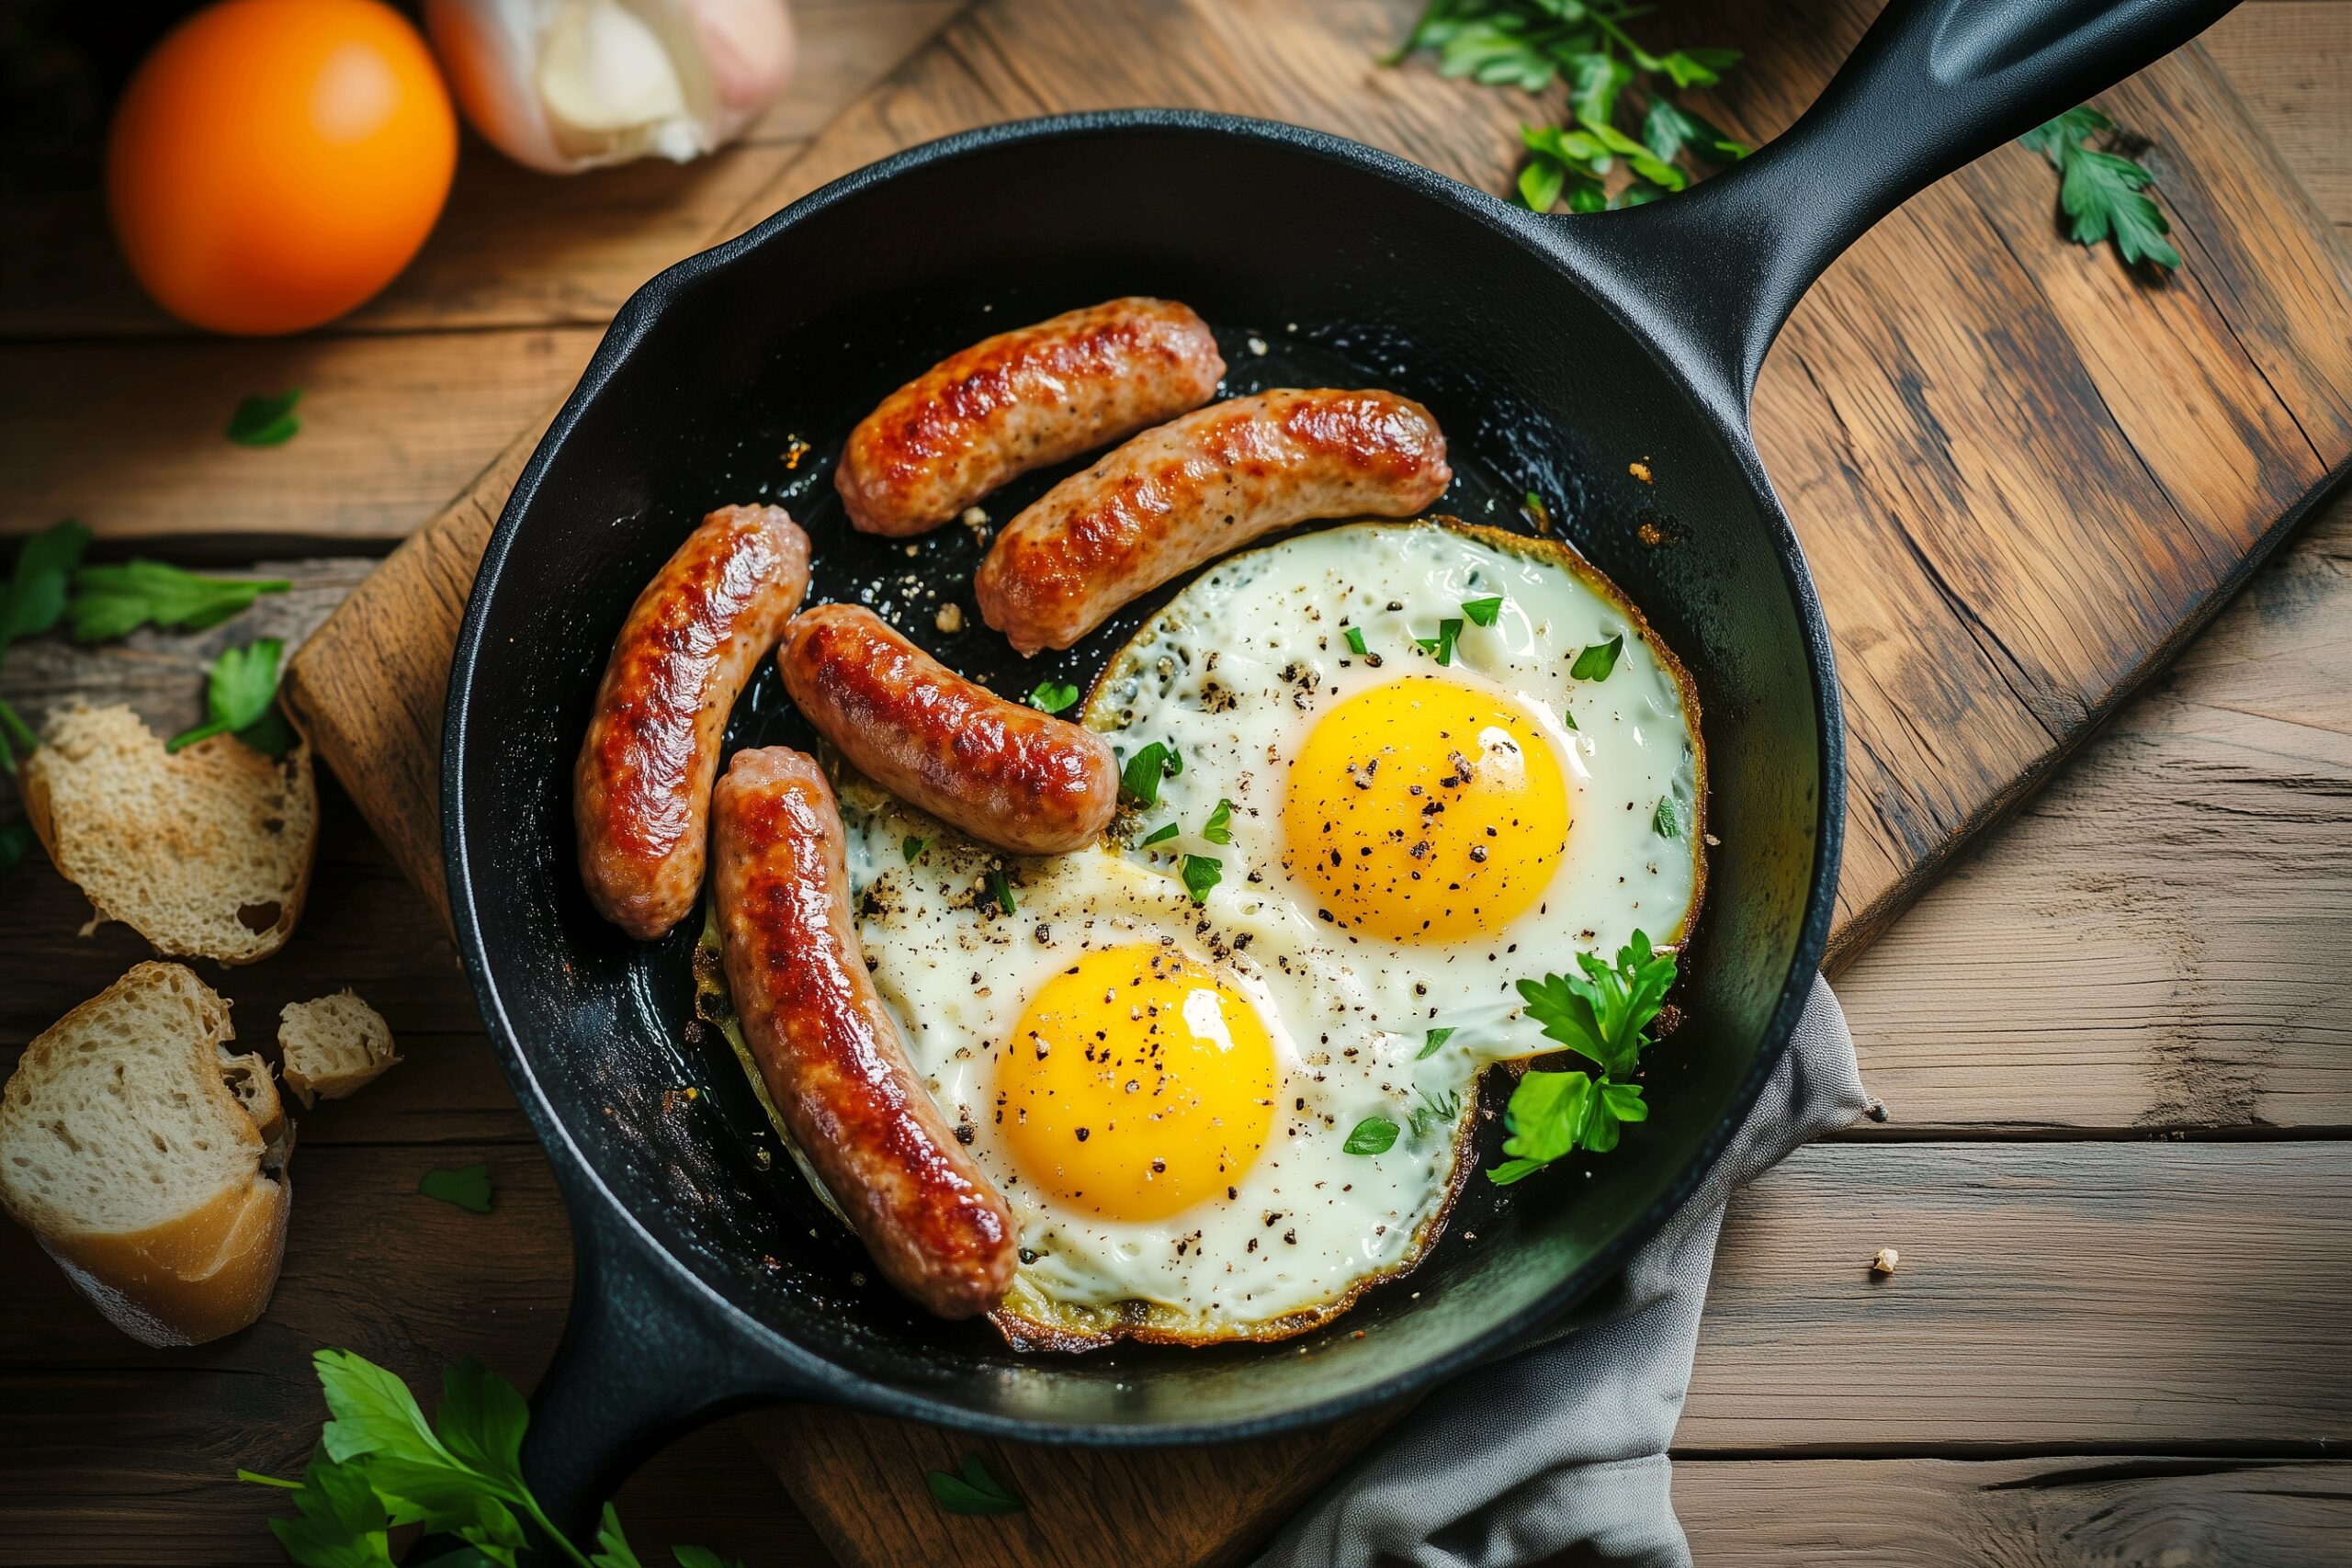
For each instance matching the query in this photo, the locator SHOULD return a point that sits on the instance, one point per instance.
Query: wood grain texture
(1999, 1331)
(2093, 1511)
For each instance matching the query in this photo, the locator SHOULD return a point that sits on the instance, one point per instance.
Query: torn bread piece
(148, 1160)
(333, 1046)
(205, 853)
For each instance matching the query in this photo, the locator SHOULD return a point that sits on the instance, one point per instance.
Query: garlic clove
(569, 85)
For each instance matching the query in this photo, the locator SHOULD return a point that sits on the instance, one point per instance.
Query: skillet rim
(591, 1205)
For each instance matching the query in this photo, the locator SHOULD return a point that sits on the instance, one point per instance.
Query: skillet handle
(645, 1358)
(1932, 85)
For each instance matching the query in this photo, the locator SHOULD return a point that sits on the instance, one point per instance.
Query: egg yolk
(1425, 810)
(1135, 1085)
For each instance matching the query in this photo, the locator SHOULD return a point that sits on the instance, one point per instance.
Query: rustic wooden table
(2112, 1045)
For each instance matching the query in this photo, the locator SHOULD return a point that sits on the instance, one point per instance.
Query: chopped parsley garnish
(1434, 1111)
(1373, 1135)
(1139, 779)
(1599, 1015)
(1218, 828)
(1538, 513)
(913, 848)
(264, 420)
(1201, 873)
(1355, 642)
(1483, 612)
(1430, 1043)
(1000, 889)
(1448, 632)
(1667, 820)
(1160, 834)
(1595, 662)
(974, 1492)
(1053, 695)
(468, 1187)
(1568, 718)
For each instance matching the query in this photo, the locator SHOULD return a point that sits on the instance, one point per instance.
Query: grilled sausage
(1020, 400)
(1022, 780)
(1199, 487)
(641, 791)
(832, 1057)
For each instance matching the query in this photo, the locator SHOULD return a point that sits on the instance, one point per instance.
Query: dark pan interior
(1347, 269)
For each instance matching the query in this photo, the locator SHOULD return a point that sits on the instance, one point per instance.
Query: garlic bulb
(570, 84)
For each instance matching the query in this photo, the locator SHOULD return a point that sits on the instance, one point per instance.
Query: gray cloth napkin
(1560, 1447)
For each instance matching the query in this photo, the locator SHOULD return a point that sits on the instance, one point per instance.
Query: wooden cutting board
(2022, 478)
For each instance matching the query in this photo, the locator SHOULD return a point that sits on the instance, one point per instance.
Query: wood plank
(2158, 941)
(2230, 1260)
(2292, 61)
(126, 436)
(2017, 1513)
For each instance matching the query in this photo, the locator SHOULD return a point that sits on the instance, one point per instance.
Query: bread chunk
(333, 1046)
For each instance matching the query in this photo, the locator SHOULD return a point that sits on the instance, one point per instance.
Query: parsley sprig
(1621, 97)
(379, 1465)
(115, 601)
(2103, 192)
(242, 699)
(1600, 1015)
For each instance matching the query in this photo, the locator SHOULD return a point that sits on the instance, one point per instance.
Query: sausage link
(832, 1058)
(1197, 488)
(641, 791)
(1020, 400)
(1022, 780)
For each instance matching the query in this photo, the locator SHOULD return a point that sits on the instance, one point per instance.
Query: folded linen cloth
(1558, 1446)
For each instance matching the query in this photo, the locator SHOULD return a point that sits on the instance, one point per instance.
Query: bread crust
(209, 1270)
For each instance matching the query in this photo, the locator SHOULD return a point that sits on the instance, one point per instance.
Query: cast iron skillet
(1554, 351)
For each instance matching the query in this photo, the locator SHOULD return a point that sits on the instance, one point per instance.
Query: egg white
(1234, 674)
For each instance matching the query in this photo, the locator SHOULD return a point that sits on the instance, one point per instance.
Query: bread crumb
(950, 618)
(1640, 471)
(1883, 1264)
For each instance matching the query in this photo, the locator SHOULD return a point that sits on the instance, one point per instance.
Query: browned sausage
(832, 1057)
(1019, 779)
(1199, 487)
(1020, 400)
(641, 790)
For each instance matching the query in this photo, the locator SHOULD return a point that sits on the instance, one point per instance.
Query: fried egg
(1222, 1099)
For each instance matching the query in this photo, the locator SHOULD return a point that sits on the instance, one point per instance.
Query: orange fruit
(275, 162)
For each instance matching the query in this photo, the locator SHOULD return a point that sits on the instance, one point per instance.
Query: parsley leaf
(34, 596)
(468, 1187)
(379, 1466)
(243, 698)
(1614, 85)
(1601, 1013)
(1355, 642)
(1139, 780)
(1373, 1135)
(1667, 820)
(1448, 632)
(1434, 1111)
(912, 848)
(1596, 662)
(1159, 835)
(1483, 612)
(15, 736)
(1537, 512)
(1218, 828)
(264, 420)
(1000, 889)
(1053, 697)
(1568, 718)
(115, 601)
(1600, 1016)
(2102, 192)
(1430, 1043)
(1201, 873)
(974, 1492)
